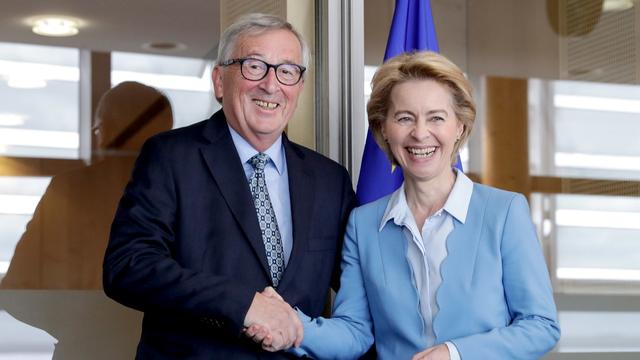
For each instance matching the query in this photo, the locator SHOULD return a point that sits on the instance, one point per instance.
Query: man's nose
(270, 82)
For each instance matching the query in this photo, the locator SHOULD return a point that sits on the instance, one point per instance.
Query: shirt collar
(460, 197)
(246, 151)
(396, 208)
(457, 204)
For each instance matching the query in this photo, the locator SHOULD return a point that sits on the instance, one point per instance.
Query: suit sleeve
(139, 270)
(533, 330)
(349, 332)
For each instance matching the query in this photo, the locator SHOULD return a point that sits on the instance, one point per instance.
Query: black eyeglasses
(256, 70)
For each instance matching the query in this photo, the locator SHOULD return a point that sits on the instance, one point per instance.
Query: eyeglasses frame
(275, 67)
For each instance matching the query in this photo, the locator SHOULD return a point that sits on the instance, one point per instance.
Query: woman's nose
(420, 130)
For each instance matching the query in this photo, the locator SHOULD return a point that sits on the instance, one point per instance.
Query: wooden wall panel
(505, 135)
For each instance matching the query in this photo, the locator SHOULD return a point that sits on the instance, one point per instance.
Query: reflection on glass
(63, 244)
(599, 331)
(185, 81)
(59, 241)
(39, 109)
(19, 196)
(596, 237)
(584, 129)
(22, 341)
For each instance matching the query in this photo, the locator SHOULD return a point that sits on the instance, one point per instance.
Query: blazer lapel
(392, 248)
(302, 196)
(458, 267)
(224, 165)
(393, 255)
(462, 243)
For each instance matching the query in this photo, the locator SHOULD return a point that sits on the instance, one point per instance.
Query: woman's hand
(438, 352)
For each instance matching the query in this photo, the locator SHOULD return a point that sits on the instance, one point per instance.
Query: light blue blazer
(495, 300)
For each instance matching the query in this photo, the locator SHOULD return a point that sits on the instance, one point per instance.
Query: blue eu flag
(412, 29)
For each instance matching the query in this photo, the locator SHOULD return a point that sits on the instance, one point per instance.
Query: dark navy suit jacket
(185, 246)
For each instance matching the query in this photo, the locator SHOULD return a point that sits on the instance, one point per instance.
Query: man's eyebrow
(261, 57)
(254, 55)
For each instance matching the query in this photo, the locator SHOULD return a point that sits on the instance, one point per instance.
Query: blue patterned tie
(266, 218)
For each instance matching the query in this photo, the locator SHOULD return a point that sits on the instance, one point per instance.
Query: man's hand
(438, 352)
(272, 322)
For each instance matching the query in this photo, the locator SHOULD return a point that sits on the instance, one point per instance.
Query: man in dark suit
(217, 211)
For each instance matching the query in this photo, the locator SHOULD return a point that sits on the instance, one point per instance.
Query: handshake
(272, 322)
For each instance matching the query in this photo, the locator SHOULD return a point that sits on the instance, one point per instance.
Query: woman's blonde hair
(425, 65)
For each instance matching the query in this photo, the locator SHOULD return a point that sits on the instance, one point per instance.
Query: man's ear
(216, 78)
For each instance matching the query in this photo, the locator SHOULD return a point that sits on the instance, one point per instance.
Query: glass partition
(186, 81)
(40, 104)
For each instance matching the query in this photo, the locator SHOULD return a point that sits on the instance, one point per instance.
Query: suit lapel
(224, 165)
(393, 251)
(457, 270)
(301, 185)
(462, 243)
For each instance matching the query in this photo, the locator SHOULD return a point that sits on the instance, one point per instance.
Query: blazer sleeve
(139, 270)
(533, 330)
(349, 332)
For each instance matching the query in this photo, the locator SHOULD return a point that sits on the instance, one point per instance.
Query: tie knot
(259, 160)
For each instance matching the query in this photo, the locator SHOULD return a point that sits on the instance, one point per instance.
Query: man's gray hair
(255, 24)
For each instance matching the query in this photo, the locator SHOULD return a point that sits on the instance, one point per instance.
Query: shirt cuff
(453, 351)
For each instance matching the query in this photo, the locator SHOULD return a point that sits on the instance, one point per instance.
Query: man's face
(259, 110)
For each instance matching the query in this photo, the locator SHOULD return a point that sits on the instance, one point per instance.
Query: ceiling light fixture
(164, 46)
(57, 26)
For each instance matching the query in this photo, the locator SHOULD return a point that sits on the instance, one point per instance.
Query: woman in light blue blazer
(443, 268)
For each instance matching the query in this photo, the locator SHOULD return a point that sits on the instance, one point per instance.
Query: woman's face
(421, 128)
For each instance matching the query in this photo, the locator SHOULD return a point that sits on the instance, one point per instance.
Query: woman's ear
(460, 130)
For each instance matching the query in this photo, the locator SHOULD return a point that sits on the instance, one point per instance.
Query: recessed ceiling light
(165, 46)
(55, 26)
